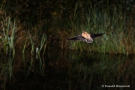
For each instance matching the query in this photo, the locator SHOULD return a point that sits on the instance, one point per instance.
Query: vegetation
(108, 69)
(13, 38)
(117, 25)
(80, 68)
(36, 24)
(33, 43)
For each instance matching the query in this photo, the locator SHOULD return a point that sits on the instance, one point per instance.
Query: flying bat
(85, 36)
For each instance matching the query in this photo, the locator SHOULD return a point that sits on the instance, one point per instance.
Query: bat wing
(96, 35)
(79, 37)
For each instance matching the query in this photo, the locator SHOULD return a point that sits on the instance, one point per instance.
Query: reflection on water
(67, 70)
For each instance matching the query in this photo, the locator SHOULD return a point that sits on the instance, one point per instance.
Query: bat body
(86, 37)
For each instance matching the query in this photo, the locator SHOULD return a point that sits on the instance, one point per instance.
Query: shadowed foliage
(59, 20)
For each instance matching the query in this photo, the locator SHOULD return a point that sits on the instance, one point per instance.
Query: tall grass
(8, 29)
(116, 24)
(64, 20)
(14, 39)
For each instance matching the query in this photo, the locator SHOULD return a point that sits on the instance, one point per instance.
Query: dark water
(67, 70)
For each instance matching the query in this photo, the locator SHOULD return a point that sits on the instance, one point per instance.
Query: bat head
(86, 35)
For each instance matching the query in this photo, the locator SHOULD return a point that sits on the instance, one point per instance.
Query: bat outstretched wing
(79, 37)
(96, 35)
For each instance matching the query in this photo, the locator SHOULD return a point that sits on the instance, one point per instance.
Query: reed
(111, 18)
(8, 36)
(24, 47)
(7, 68)
(42, 44)
(118, 37)
(32, 44)
(14, 39)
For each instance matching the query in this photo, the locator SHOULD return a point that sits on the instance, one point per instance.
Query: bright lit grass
(13, 39)
(8, 27)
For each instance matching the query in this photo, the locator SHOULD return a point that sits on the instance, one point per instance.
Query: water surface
(67, 70)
